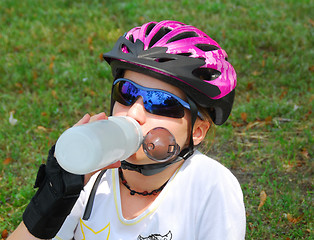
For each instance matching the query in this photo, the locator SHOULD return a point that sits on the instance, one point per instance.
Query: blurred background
(51, 74)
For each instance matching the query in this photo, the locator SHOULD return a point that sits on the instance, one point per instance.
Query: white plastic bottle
(89, 147)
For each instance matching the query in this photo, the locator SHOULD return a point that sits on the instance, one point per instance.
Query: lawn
(51, 75)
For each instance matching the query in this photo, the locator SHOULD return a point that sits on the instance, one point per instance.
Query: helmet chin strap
(152, 169)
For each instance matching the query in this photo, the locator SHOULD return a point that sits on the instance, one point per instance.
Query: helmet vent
(206, 73)
(131, 38)
(161, 32)
(182, 36)
(164, 59)
(184, 54)
(125, 48)
(149, 28)
(206, 47)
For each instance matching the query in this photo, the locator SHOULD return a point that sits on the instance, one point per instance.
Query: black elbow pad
(58, 190)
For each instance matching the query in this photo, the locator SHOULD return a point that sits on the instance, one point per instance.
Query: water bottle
(89, 147)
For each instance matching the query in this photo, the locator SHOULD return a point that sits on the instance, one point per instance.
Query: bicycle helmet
(183, 56)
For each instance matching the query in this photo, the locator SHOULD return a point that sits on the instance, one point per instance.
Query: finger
(99, 116)
(84, 120)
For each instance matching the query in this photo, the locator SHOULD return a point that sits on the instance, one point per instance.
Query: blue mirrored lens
(157, 102)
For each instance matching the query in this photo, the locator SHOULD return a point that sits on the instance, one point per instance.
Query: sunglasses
(156, 101)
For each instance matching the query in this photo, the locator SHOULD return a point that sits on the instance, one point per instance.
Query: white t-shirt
(202, 200)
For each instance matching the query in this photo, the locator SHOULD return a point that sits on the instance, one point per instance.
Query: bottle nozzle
(160, 145)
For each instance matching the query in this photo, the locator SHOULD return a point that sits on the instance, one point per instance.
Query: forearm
(21, 233)
(57, 193)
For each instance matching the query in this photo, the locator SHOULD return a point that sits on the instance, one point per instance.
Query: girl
(170, 75)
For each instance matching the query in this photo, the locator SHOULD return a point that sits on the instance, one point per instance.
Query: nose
(137, 111)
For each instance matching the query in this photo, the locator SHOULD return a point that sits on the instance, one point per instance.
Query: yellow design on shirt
(97, 235)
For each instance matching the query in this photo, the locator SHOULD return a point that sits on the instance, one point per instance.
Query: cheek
(180, 131)
(118, 109)
(181, 136)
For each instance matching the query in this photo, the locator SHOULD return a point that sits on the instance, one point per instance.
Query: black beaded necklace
(133, 192)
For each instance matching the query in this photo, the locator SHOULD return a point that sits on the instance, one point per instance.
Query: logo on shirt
(99, 234)
(168, 236)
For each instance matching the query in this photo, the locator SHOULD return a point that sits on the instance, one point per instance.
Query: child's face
(179, 127)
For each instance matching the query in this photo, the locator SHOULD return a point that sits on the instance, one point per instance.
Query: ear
(199, 131)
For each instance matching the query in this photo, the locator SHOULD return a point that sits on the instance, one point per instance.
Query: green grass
(51, 75)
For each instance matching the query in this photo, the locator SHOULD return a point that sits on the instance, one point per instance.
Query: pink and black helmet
(183, 56)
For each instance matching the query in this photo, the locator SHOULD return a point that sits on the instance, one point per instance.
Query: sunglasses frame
(146, 89)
